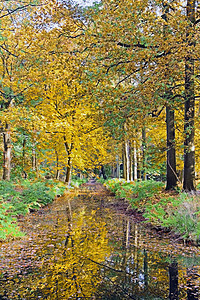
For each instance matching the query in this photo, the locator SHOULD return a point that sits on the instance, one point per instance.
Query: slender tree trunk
(127, 159)
(68, 171)
(6, 153)
(23, 153)
(24, 157)
(189, 149)
(123, 162)
(103, 172)
(69, 160)
(144, 176)
(126, 154)
(171, 152)
(57, 166)
(34, 159)
(171, 176)
(135, 165)
(118, 167)
(131, 163)
(138, 163)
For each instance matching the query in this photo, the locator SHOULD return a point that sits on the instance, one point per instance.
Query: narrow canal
(83, 247)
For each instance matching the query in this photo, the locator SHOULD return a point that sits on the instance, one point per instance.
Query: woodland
(109, 91)
(113, 86)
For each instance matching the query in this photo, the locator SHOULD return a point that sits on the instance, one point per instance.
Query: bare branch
(8, 51)
(10, 12)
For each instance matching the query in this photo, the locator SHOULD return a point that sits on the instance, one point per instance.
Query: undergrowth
(177, 211)
(19, 198)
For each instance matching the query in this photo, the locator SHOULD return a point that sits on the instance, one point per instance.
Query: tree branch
(8, 51)
(18, 9)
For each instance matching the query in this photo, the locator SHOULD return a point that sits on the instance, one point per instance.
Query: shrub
(178, 211)
(19, 199)
(135, 192)
(8, 225)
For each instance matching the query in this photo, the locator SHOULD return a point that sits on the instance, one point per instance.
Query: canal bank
(83, 246)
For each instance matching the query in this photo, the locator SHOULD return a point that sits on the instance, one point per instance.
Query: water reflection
(173, 280)
(85, 250)
(192, 283)
(69, 264)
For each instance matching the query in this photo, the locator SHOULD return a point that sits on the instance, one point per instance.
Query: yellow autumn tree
(58, 95)
(144, 47)
(12, 85)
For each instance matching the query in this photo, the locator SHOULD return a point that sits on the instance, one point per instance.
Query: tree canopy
(115, 84)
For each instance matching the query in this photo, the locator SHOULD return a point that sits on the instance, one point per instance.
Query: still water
(82, 247)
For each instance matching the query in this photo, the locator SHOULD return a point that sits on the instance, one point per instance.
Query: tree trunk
(118, 167)
(34, 159)
(57, 166)
(69, 160)
(135, 161)
(24, 157)
(171, 152)
(23, 153)
(170, 124)
(68, 171)
(144, 176)
(6, 153)
(127, 160)
(131, 164)
(138, 163)
(103, 172)
(189, 149)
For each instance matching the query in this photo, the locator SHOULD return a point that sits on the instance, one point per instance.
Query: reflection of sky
(85, 2)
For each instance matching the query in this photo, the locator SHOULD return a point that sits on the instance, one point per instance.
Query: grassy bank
(177, 211)
(19, 198)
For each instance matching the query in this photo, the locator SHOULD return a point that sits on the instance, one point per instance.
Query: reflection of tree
(70, 268)
(128, 234)
(136, 273)
(145, 269)
(173, 280)
(75, 270)
(74, 261)
(192, 287)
